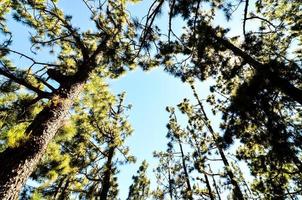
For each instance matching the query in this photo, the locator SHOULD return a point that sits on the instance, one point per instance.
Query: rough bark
(17, 164)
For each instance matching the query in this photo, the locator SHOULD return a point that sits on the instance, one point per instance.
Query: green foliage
(88, 148)
(257, 91)
(254, 74)
(15, 115)
(182, 175)
(16, 135)
(140, 188)
(96, 129)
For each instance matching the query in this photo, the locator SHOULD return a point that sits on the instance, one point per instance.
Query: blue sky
(149, 92)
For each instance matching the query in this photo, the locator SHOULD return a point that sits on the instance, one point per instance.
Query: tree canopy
(63, 129)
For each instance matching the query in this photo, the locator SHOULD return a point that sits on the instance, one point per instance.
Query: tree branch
(284, 85)
(245, 16)
(20, 81)
(72, 31)
(29, 58)
(263, 19)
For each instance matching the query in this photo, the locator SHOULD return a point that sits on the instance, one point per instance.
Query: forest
(64, 130)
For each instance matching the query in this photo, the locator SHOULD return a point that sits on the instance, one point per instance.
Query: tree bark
(17, 164)
(107, 176)
(280, 83)
(184, 166)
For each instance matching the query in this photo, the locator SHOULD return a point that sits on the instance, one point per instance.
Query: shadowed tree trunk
(63, 193)
(59, 188)
(184, 166)
(278, 82)
(107, 176)
(209, 187)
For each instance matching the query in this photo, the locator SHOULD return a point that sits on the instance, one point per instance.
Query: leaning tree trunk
(284, 85)
(237, 191)
(17, 164)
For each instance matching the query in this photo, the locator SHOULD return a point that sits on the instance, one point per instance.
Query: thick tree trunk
(17, 164)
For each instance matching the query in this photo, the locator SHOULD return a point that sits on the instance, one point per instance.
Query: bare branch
(245, 16)
(263, 19)
(29, 58)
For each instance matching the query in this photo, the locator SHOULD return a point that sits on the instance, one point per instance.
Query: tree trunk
(280, 83)
(184, 166)
(170, 185)
(237, 191)
(64, 193)
(59, 187)
(107, 176)
(286, 87)
(17, 164)
(209, 187)
(214, 183)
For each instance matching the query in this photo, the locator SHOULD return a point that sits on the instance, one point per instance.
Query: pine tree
(84, 159)
(256, 88)
(257, 79)
(204, 149)
(107, 50)
(140, 188)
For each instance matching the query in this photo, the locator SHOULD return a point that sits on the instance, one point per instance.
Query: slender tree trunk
(214, 183)
(17, 164)
(59, 187)
(209, 187)
(184, 166)
(237, 191)
(203, 172)
(170, 185)
(63, 193)
(107, 176)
